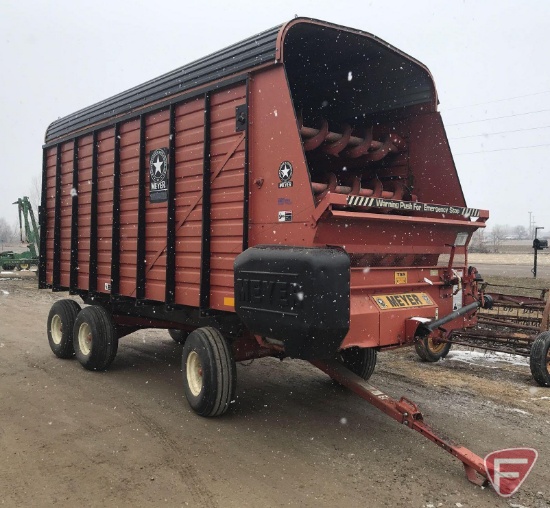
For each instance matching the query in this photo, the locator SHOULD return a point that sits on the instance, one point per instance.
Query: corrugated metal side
(198, 251)
(227, 193)
(85, 148)
(189, 169)
(67, 152)
(129, 181)
(105, 168)
(51, 159)
(234, 59)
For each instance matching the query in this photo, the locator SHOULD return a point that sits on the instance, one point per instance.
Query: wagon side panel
(189, 155)
(227, 171)
(156, 213)
(67, 193)
(105, 169)
(129, 133)
(84, 210)
(431, 161)
(48, 213)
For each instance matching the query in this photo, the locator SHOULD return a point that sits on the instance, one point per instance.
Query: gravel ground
(127, 437)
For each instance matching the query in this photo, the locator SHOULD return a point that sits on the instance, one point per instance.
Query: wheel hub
(435, 345)
(56, 329)
(85, 338)
(194, 373)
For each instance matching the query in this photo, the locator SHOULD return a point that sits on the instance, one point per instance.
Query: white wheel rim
(56, 329)
(194, 373)
(85, 338)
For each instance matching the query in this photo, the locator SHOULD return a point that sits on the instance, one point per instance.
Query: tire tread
(67, 310)
(105, 342)
(223, 373)
(538, 359)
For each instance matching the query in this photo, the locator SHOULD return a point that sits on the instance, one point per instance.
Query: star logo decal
(285, 171)
(158, 166)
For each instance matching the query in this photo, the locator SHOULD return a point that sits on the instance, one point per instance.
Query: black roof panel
(239, 57)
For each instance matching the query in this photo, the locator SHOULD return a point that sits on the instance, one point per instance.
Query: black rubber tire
(209, 372)
(95, 324)
(62, 317)
(179, 336)
(360, 361)
(428, 352)
(539, 360)
(8, 267)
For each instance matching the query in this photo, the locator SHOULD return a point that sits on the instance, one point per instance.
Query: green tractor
(10, 260)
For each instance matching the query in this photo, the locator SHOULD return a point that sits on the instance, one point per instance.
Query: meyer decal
(269, 294)
(285, 175)
(412, 206)
(401, 300)
(158, 175)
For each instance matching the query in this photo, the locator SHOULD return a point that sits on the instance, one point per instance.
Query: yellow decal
(400, 277)
(402, 300)
(229, 301)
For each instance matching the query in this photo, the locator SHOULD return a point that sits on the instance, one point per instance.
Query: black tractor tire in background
(94, 337)
(539, 360)
(360, 361)
(428, 351)
(61, 321)
(209, 372)
(179, 336)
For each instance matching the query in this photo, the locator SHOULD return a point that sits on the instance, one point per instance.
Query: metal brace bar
(406, 412)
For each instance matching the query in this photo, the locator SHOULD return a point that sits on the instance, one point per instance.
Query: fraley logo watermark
(507, 469)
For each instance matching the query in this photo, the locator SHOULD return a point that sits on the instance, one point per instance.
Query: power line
(503, 149)
(503, 132)
(499, 117)
(497, 100)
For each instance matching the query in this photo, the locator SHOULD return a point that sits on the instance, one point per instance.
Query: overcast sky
(490, 61)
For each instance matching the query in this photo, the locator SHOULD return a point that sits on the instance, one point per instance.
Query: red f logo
(507, 469)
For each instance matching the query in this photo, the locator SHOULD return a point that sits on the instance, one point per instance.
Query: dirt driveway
(69, 437)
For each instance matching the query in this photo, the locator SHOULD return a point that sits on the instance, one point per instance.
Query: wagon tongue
(406, 412)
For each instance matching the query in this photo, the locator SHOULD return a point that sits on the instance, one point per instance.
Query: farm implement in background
(10, 260)
(517, 324)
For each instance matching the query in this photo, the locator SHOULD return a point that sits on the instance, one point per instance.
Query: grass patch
(525, 286)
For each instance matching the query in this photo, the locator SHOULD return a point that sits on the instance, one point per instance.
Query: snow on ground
(486, 359)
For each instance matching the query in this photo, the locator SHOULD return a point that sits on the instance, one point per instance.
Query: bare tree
(6, 231)
(496, 235)
(521, 232)
(35, 192)
(479, 242)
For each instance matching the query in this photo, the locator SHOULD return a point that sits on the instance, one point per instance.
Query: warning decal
(401, 300)
(400, 277)
(412, 206)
